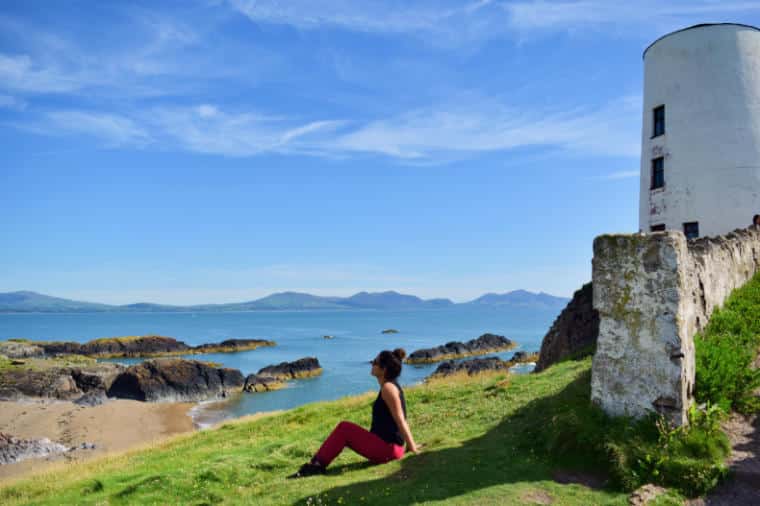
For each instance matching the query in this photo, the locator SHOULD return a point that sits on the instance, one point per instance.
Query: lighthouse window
(658, 173)
(659, 121)
(691, 230)
(658, 228)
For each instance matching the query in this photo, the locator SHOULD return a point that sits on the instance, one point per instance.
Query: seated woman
(384, 440)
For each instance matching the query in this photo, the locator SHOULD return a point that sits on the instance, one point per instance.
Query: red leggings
(362, 441)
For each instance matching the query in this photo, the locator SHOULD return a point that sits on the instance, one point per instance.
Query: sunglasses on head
(375, 362)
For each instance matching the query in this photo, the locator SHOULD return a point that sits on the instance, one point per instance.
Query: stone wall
(654, 292)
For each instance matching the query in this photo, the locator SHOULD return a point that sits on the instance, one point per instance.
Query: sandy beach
(115, 426)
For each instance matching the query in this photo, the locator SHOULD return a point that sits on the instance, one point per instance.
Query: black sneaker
(308, 469)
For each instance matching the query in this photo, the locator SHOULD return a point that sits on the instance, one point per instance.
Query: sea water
(357, 338)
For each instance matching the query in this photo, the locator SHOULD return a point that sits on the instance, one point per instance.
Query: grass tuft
(726, 350)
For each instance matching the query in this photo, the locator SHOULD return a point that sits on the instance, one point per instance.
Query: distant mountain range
(27, 302)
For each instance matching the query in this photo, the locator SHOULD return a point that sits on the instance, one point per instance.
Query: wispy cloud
(444, 23)
(114, 131)
(621, 174)
(480, 126)
(541, 14)
(207, 129)
(433, 134)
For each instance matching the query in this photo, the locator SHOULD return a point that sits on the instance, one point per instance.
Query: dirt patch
(537, 497)
(645, 495)
(584, 478)
(743, 486)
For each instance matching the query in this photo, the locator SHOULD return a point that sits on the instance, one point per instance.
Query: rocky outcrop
(274, 377)
(147, 346)
(118, 347)
(15, 450)
(20, 349)
(47, 379)
(487, 343)
(232, 346)
(257, 383)
(471, 367)
(175, 380)
(301, 368)
(523, 357)
(574, 332)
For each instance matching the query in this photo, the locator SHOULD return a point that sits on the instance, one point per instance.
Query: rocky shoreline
(87, 382)
(274, 377)
(480, 365)
(483, 345)
(125, 347)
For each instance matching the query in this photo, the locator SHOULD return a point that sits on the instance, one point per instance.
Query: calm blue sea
(345, 358)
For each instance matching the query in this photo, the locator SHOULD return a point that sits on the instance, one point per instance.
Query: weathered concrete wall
(654, 292)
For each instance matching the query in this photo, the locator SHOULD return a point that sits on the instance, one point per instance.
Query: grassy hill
(478, 449)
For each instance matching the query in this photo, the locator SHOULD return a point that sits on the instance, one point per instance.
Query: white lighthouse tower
(700, 143)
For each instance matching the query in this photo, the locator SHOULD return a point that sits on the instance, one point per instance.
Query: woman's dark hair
(391, 362)
(755, 219)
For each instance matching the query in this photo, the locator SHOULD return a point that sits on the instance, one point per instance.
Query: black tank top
(383, 423)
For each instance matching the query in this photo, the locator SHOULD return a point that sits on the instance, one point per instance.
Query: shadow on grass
(508, 453)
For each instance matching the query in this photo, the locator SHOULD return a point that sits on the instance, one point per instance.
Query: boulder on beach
(15, 450)
(64, 378)
(273, 377)
(20, 349)
(175, 380)
(487, 343)
(471, 367)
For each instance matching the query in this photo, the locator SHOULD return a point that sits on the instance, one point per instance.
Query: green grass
(473, 429)
(726, 350)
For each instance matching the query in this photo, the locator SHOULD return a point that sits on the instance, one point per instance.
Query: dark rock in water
(273, 377)
(523, 357)
(471, 367)
(301, 368)
(61, 348)
(232, 345)
(133, 347)
(389, 331)
(328, 337)
(147, 346)
(175, 380)
(258, 383)
(118, 347)
(574, 332)
(487, 343)
(56, 382)
(15, 450)
(90, 399)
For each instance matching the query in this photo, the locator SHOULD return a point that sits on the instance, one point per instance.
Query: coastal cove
(357, 338)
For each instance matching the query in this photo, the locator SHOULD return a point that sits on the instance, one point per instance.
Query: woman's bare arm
(392, 399)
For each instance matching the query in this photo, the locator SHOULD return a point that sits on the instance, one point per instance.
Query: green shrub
(726, 350)
(635, 452)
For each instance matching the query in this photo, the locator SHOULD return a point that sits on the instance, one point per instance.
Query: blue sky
(215, 151)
